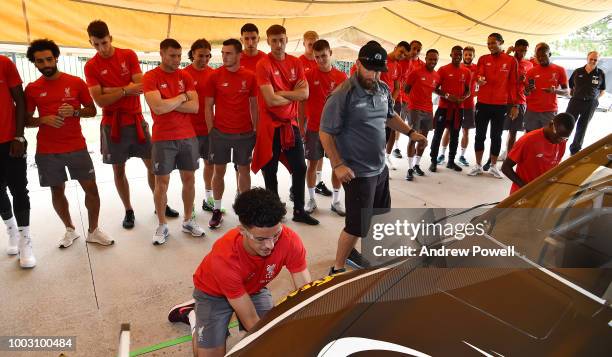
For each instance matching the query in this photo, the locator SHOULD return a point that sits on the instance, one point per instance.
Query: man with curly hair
(234, 275)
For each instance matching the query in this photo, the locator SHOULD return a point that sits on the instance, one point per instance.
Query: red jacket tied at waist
(115, 124)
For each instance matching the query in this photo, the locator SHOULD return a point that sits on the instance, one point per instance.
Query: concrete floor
(88, 291)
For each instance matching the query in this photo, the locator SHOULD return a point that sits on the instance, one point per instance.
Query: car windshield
(565, 225)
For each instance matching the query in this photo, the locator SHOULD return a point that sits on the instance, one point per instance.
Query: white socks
(11, 226)
(335, 195)
(208, 195)
(444, 150)
(311, 193)
(417, 160)
(319, 176)
(410, 162)
(463, 151)
(24, 231)
(217, 204)
(192, 320)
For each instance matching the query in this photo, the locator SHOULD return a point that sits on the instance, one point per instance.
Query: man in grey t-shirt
(353, 135)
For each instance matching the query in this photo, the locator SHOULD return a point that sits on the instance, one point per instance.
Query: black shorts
(365, 196)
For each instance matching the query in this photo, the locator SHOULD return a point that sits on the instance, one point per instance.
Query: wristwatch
(446, 96)
(76, 113)
(21, 139)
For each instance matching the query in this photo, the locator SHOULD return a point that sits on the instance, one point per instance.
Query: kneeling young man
(233, 276)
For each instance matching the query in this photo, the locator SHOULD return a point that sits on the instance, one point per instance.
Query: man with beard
(453, 89)
(199, 55)
(115, 84)
(233, 276)
(172, 97)
(232, 91)
(497, 82)
(62, 100)
(282, 86)
(420, 86)
(545, 81)
(13, 166)
(587, 85)
(412, 62)
(249, 36)
(353, 135)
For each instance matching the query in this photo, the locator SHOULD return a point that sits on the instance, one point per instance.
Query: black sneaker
(418, 171)
(333, 271)
(321, 189)
(207, 206)
(356, 260)
(433, 167)
(171, 212)
(303, 217)
(486, 166)
(451, 165)
(180, 312)
(410, 175)
(128, 220)
(397, 153)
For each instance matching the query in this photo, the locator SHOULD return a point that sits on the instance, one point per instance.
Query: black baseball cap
(373, 57)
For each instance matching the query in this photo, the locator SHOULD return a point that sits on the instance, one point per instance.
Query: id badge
(595, 81)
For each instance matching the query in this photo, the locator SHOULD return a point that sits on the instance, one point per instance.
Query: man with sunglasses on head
(538, 151)
(234, 275)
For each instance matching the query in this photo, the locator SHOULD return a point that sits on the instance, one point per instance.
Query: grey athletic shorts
(420, 121)
(517, 124)
(204, 146)
(469, 119)
(401, 109)
(119, 153)
(537, 120)
(213, 314)
(52, 167)
(180, 154)
(222, 145)
(313, 150)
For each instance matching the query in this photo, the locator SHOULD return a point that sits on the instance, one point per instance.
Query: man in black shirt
(587, 84)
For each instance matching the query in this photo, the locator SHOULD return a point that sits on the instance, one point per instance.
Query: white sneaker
(495, 172)
(26, 254)
(338, 207)
(476, 170)
(100, 237)
(68, 238)
(191, 226)
(310, 206)
(390, 163)
(13, 244)
(161, 233)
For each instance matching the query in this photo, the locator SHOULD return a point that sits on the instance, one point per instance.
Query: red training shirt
(453, 80)
(320, 85)
(408, 65)
(309, 64)
(231, 92)
(116, 71)
(523, 67)
(545, 77)
(229, 271)
(391, 75)
(250, 62)
(173, 125)
(200, 77)
(9, 78)
(283, 76)
(501, 76)
(422, 84)
(468, 103)
(534, 155)
(47, 96)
